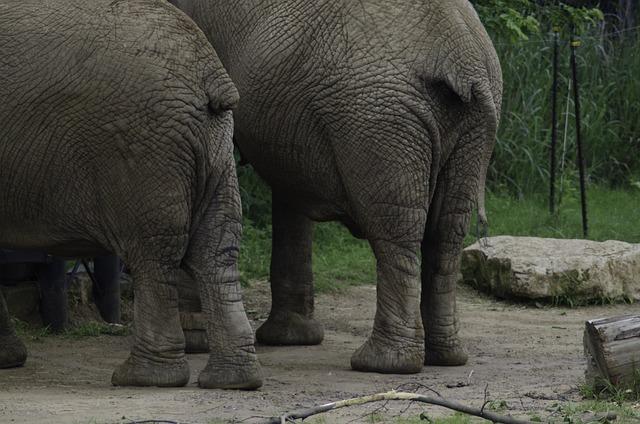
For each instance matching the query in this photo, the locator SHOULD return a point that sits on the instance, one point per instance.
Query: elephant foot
(453, 353)
(247, 376)
(196, 341)
(383, 358)
(290, 328)
(137, 373)
(13, 353)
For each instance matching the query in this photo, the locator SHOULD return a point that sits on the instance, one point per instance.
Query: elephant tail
(491, 113)
(487, 97)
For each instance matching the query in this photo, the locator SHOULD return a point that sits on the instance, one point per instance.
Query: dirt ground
(526, 356)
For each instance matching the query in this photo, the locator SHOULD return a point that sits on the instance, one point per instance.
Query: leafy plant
(516, 20)
(512, 20)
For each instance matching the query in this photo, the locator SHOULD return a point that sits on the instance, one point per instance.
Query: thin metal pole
(576, 97)
(554, 124)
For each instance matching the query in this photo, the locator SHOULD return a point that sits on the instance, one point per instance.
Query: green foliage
(256, 197)
(516, 20)
(570, 19)
(255, 252)
(508, 20)
(340, 260)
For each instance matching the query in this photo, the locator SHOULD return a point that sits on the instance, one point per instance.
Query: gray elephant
(380, 114)
(116, 136)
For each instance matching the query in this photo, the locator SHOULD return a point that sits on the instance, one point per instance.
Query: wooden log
(612, 348)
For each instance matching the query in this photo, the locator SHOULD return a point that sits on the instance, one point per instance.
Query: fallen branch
(393, 395)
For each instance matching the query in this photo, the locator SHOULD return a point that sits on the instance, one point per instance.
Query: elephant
(116, 137)
(381, 115)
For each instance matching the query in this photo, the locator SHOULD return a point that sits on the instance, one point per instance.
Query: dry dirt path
(525, 356)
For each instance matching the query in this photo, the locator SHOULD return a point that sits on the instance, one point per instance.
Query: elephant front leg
(396, 344)
(291, 320)
(157, 356)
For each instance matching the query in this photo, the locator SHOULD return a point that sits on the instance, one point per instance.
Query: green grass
(557, 412)
(30, 331)
(94, 328)
(612, 214)
(339, 260)
(88, 329)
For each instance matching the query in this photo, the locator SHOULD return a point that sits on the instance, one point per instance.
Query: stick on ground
(478, 412)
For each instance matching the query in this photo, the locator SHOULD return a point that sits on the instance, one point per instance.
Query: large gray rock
(574, 271)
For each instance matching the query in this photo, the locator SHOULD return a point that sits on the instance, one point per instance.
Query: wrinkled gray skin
(116, 136)
(380, 114)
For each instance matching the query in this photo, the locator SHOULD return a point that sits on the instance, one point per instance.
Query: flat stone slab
(570, 270)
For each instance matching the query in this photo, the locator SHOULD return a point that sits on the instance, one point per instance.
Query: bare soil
(529, 357)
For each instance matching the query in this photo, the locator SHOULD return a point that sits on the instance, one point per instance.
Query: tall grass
(608, 74)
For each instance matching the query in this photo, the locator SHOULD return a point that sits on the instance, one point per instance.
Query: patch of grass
(90, 329)
(590, 411)
(29, 331)
(255, 252)
(621, 393)
(455, 418)
(611, 215)
(94, 328)
(339, 259)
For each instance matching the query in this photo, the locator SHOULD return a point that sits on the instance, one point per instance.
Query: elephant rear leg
(211, 261)
(291, 320)
(447, 225)
(13, 352)
(396, 342)
(158, 352)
